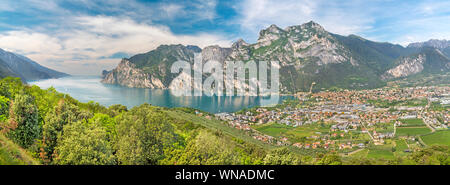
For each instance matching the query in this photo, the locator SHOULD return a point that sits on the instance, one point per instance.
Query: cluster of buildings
(347, 113)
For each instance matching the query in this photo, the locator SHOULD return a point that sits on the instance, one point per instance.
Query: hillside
(11, 154)
(16, 65)
(427, 61)
(151, 69)
(5, 70)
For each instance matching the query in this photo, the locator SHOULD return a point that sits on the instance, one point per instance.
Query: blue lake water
(89, 88)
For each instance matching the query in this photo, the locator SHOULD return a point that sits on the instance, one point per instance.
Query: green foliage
(205, 149)
(4, 107)
(116, 109)
(330, 159)
(142, 134)
(62, 114)
(105, 121)
(12, 154)
(10, 86)
(434, 155)
(24, 124)
(84, 144)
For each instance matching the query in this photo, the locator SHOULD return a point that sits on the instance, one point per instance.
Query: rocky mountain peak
(408, 66)
(268, 35)
(273, 29)
(215, 53)
(271, 33)
(435, 43)
(239, 43)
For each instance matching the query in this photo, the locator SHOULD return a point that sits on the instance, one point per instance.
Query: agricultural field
(381, 152)
(439, 137)
(385, 127)
(400, 145)
(412, 122)
(361, 153)
(412, 131)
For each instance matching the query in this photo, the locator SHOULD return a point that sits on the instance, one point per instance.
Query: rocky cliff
(126, 74)
(408, 66)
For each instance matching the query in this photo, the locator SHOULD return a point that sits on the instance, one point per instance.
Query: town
(350, 120)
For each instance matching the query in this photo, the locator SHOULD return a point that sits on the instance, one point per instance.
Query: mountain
(441, 45)
(16, 65)
(307, 54)
(151, 69)
(428, 60)
(5, 70)
(434, 43)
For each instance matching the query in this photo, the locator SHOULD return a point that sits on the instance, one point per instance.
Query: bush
(23, 126)
(84, 144)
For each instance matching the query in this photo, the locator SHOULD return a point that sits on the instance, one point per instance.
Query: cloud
(382, 20)
(342, 18)
(91, 39)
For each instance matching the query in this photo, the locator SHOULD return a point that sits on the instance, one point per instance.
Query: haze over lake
(89, 88)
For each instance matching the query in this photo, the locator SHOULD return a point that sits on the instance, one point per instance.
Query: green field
(380, 152)
(439, 137)
(385, 127)
(294, 134)
(273, 129)
(412, 131)
(401, 145)
(361, 154)
(412, 122)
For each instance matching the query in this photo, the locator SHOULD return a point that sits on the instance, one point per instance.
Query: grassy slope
(439, 137)
(11, 154)
(215, 125)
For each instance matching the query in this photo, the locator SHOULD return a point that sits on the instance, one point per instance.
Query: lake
(89, 88)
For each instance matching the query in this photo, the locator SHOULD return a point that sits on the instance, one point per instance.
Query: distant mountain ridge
(307, 54)
(434, 43)
(16, 65)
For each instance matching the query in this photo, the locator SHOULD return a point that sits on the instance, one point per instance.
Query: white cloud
(76, 50)
(342, 18)
(400, 22)
(172, 10)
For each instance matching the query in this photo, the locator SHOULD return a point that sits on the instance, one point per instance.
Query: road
(424, 118)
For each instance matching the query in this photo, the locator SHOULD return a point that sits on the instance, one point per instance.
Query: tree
(10, 86)
(108, 123)
(281, 156)
(62, 114)
(84, 144)
(142, 135)
(205, 148)
(4, 107)
(330, 159)
(24, 126)
(116, 109)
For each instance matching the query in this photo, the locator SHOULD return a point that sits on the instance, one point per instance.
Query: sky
(83, 37)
